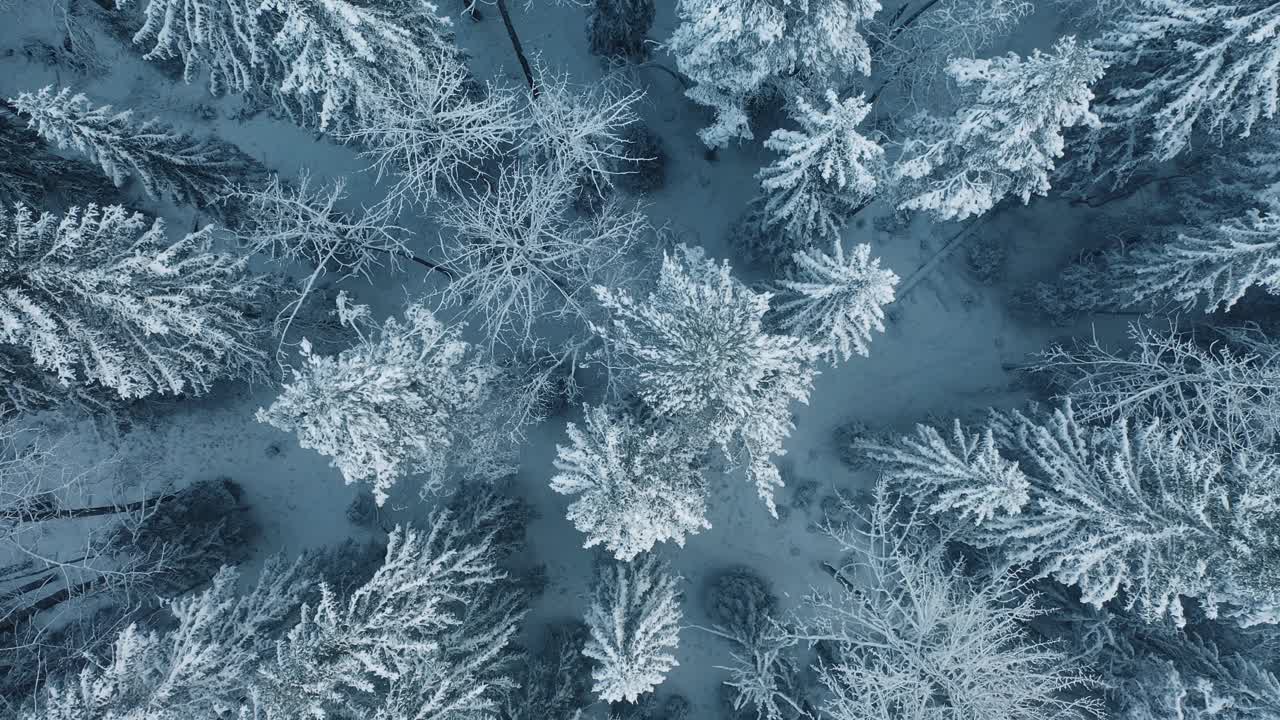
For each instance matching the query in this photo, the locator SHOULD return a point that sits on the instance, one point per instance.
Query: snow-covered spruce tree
(1224, 394)
(102, 296)
(225, 38)
(736, 50)
(962, 474)
(403, 644)
(430, 130)
(1211, 267)
(764, 674)
(26, 387)
(1004, 138)
(1155, 673)
(827, 170)
(634, 621)
(915, 623)
(517, 251)
(32, 175)
(338, 53)
(324, 62)
(1181, 69)
(701, 358)
(836, 301)
(554, 678)
(428, 633)
(407, 401)
(197, 669)
(165, 162)
(637, 485)
(1140, 515)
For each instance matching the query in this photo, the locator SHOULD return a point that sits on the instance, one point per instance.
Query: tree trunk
(53, 512)
(515, 43)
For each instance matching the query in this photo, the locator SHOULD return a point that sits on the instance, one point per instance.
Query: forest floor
(944, 354)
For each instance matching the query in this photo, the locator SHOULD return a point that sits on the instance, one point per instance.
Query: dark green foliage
(190, 536)
(646, 167)
(488, 511)
(363, 510)
(653, 706)
(348, 565)
(768, 249)
(985, 256)
(27, 388)
(1078, 290)
(741, 603)
(803, 495)
(618, 28)
(555, 681)
(32, 175)
(848, 438)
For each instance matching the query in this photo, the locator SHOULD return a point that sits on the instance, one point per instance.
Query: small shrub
(986, 257)
(766, 248)
(347, 565)
(645, 167)
(363, 510)
(653, 706)
(741, 603)
(191, 535)
(555, 680)
(618, 28)
(803, 495)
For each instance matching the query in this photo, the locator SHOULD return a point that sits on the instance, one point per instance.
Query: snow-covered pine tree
(1158, 674)
(1004, 138)
(166, 162)
(915, 622)
(226, 38)
(827, 170)
(1181, 69)
(702, 359)
(101, 296)
(637, 485)
(409, 401)
(197, 669)
(1142, 515)
(340, 55)
(32, 175)
(1211, 267)
(324, 62)
(836, 301)
(427, 635)
(400, 645)
(963, 474)
(634, 621)
(737, 50)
